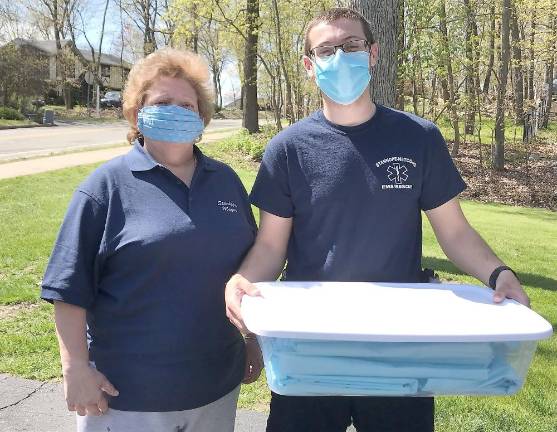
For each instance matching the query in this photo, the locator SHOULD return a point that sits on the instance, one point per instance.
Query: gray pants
(218, 416)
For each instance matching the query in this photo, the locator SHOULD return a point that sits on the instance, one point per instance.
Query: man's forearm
(470, 253)
(71, 330)
(263, 263)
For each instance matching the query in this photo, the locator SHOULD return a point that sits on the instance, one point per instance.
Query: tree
(210, 46)
(57, 13)
(498, 160)
(383, 16)
(250, 119)
(518, 78)
(286, 75)
(447, 79)
(144, 14)
(472, 78)
(93, 67)
(21, 72)
(491, 61)
(550, 61)
(530, 81)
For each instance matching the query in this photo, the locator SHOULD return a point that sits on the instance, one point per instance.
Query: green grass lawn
(4, 122)
(32, 207)
(81, 113)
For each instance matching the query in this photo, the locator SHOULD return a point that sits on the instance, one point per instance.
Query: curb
(27, 126)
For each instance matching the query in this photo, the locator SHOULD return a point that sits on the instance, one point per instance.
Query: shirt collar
(139, 160)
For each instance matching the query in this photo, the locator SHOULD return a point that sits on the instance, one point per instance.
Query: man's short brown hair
(335, 14)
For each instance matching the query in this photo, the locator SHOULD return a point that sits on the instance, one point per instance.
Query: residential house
(114, 71)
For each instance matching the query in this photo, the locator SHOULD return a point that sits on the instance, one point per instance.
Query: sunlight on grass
(32, 209)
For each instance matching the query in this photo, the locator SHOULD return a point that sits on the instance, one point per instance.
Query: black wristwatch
(495, 275)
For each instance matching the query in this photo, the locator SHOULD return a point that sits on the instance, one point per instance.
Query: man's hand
(85, 388)
(508, 286)
(254, 361)
(236, 288)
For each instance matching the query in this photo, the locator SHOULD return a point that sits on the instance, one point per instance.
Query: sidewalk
(34, 406)
(51, 163)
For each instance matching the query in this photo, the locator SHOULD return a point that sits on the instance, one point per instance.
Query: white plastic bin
(352, 338)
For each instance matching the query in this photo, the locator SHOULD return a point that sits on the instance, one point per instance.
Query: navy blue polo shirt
(356, 194)
(148, 258)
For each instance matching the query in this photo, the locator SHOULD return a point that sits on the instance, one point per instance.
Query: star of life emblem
(398, 173)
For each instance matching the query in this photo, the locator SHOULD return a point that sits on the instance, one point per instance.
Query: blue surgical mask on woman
(171, 123)
(343, 77)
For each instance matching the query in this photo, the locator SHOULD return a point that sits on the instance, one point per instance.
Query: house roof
(49, 47)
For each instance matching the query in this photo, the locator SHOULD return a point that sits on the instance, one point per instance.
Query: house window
(105, 71)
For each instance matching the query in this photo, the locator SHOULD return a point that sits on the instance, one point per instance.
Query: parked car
(37, 103)
(111, 99)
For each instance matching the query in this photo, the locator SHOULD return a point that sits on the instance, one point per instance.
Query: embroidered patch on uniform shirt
(397, 172)
(228, 206)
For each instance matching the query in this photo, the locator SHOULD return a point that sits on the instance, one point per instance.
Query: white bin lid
(383, 312)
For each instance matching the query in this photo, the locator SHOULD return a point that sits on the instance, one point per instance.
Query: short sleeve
(442, 181)
(72, 272)
(271, 190)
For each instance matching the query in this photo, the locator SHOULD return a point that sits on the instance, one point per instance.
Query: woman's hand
(85, 388)
(254, 360)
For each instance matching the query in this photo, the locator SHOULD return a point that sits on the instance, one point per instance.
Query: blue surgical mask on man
(343, 77)
(169, 123)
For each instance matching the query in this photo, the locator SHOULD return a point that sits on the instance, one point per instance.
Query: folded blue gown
(308, 367)
(318, 385)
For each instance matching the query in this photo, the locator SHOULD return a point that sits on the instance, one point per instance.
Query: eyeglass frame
(367, 45)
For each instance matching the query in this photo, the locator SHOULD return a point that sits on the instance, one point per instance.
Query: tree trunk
(491, 60)
(401, 49)
(149, 41)
(383, 16)
(287, 83)
(448, 79)
(518, 79)
(60, 62)
(470, 87)
(549, 66)
(250, 119)
(532, 62)
(219, 87)
(277, 99)
(499, 151)
(215, 87)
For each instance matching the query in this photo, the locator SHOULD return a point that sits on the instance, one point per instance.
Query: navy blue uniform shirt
(356, 194)
(148, 258)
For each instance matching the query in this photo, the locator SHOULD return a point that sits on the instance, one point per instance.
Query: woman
(137, 273)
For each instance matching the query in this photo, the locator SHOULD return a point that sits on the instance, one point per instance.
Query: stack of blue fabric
(308, 367)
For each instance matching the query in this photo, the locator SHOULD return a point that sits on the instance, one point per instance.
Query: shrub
(251, 145)
(10, 114)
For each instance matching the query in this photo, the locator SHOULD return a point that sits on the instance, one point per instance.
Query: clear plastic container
(367, 339)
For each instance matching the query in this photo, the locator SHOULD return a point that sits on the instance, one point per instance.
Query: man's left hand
(508, 286)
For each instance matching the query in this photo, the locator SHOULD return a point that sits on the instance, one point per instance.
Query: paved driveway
(21, 143)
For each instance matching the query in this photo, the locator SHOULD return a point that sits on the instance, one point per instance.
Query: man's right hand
(236, 288)
(85, 388)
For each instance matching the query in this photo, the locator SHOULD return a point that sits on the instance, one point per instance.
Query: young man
(340, 195)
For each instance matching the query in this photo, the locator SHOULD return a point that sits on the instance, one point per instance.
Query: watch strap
(495, 274)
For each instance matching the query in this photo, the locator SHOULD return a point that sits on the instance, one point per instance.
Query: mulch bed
(529, 178)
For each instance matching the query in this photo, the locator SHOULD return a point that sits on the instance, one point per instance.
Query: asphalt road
(22, 143)
(33, 406)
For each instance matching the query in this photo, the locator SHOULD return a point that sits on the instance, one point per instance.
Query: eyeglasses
(325, 51)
